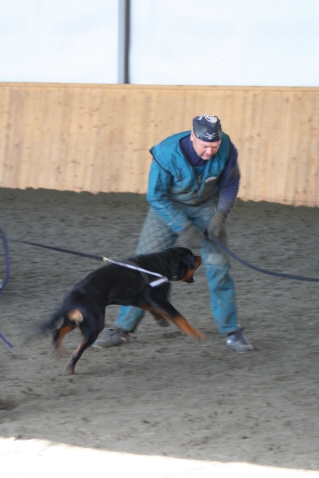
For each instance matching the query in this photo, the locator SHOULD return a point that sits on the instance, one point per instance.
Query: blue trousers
(156, 236)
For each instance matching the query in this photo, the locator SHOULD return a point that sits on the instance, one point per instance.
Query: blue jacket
(173, 180)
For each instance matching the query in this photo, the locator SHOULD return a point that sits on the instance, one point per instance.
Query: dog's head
(182, 264)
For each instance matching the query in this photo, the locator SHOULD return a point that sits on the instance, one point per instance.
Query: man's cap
(207, 128)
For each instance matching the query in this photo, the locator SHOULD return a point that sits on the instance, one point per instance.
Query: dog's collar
(161, 279)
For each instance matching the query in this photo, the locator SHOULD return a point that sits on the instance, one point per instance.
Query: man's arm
(158, 185)
(229, 182)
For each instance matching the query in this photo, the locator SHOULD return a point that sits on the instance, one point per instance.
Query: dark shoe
(238, 342)
(113, 338)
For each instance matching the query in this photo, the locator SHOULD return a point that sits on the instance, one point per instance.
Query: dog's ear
(189, 260)
(197, 260)
(194, 261)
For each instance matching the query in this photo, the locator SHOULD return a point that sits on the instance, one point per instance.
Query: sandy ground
(162, 406)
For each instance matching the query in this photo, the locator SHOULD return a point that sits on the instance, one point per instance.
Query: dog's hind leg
(59, 334)
(77, 354)
(70, 366)
(71, 320)
(90, 330)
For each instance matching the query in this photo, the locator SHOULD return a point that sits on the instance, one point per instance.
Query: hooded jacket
(173, 181)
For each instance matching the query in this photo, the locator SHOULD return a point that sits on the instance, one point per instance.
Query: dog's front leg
(160, 305)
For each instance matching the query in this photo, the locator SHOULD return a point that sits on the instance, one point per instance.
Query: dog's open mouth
(189, 278)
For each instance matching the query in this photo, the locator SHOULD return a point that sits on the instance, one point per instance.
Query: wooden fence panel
(97, 137)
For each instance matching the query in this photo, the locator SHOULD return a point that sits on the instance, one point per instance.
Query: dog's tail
(49, 325)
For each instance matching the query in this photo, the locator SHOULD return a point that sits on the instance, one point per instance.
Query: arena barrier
(96, 138)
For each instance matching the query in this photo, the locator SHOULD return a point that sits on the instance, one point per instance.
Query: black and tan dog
(116, 283)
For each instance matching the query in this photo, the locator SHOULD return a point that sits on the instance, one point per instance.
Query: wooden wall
(97, 137)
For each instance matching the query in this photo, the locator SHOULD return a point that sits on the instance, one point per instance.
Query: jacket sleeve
(229, 182)
(157, 196)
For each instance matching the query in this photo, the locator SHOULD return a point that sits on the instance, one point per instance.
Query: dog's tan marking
(75, 316)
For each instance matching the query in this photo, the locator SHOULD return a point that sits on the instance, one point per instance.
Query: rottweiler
(142, 281)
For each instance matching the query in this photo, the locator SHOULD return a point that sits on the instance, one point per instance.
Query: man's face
(204, 149)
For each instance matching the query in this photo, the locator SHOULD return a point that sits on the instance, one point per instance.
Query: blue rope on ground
(217, 241)
(259, 269)
(59, 249)
(6, 259)
(6, 341)
(7, 275)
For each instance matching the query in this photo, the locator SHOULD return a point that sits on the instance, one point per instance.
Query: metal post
(124, 41)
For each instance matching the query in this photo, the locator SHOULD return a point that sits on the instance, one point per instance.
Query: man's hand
(190, 237)
(217, 227)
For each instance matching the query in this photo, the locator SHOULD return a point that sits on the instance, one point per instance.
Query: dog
(142, 281)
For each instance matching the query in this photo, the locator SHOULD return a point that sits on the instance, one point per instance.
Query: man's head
(206, 136)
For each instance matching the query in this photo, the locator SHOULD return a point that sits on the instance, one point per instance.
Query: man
(193, 184)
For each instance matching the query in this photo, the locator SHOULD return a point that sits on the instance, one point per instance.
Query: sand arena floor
(162, 406)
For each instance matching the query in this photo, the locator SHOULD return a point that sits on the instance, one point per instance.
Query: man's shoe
(238, 342)
(113, 338)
